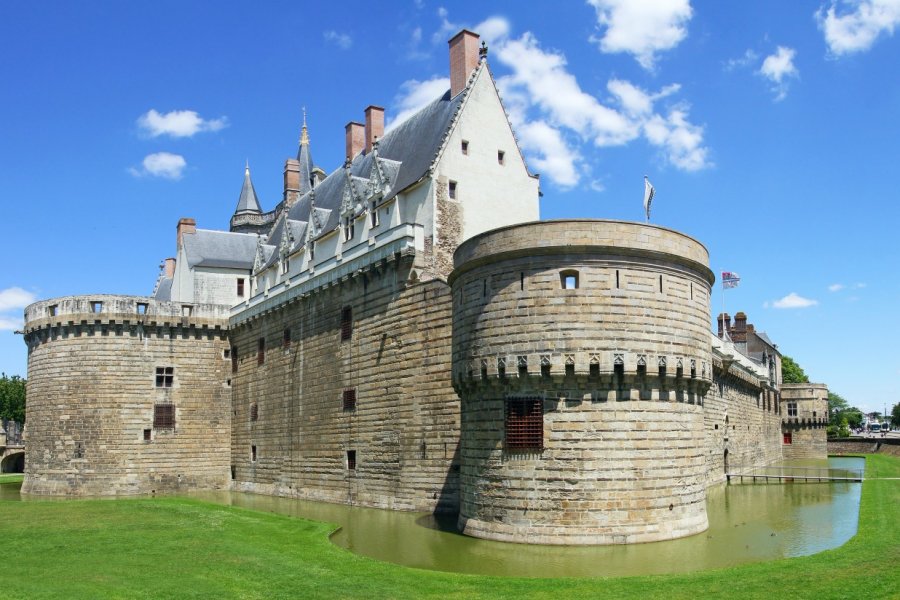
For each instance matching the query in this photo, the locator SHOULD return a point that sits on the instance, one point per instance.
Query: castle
(404, 333)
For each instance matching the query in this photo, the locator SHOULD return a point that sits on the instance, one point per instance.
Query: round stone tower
(581, 354)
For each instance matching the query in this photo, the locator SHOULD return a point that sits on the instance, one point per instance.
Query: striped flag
(648, 196)
(730, 280)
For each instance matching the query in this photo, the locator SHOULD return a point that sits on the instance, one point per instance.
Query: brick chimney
(170, 268)
(739, 333)
(374, 125)
(726, 318)
(291, 181)
(355, 138)
(185, 225)
(463, 59)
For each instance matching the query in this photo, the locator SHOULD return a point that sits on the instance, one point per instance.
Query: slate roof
(163, 291)
(404, 156)
(247, 202)
(207, 248)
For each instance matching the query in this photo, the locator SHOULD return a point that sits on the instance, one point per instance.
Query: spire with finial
(247, 201)
(304, 157)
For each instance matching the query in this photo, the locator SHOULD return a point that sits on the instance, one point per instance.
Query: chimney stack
(726, 318)
(374, 125)
(170, 268)
(185, 225)
(291, 181)
(355, 138)
(740, 327)
(463, 59)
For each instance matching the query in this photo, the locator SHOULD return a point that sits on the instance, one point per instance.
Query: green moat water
(747, 523)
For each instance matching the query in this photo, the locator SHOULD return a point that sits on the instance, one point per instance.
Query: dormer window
(285, 265)
(373, 213)
(348, 228)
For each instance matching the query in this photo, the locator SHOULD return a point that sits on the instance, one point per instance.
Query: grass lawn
(180, 548)
(11, 477)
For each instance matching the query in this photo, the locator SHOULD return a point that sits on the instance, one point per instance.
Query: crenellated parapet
(100, 313)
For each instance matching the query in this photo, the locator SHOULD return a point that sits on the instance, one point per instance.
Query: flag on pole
(730, 280)
(648, 196)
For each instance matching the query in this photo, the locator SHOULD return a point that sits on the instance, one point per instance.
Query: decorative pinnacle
(482, 52)
(304, 136)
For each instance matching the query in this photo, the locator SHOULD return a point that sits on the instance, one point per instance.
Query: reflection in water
(747, 523)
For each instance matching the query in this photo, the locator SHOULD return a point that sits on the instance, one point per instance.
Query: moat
(748, 523)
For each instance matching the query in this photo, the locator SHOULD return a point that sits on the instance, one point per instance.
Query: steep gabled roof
(304, 157)
(207, 248)
(247, 201)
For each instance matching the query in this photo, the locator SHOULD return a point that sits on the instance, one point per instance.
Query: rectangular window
(350, 399)
(792, 409)
(285, 265)
(234, 359)
(163, 416)
(254, 411)
(96, 306)
(240, 287)
(186, 310)
(286, 338)
(226, 353)
(373, 213)
(569, 280)
(465, 147)
(452, 190)
(788, 438)
(524, 424)
(351, 460)
(52, 309)
(501, 157)
(147, 435)
(261, 351)
(252, 453)
(346, 323)
(165, 376)
(142, 308)
(349, 223)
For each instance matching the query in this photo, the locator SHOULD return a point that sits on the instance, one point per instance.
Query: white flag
(648, 196)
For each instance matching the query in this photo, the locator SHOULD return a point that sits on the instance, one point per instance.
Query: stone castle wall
(404, 428)
(806, 430)
(620, 365)
(92, 390)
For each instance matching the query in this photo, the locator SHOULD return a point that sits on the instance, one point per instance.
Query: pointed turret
(247, 202)
(304, 157)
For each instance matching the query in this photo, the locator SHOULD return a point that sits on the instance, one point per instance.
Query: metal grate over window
(524, 424)
(346, 323)
(165, 376)
(163, 416)
(350, 399)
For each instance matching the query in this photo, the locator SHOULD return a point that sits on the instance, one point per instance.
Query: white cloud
(836, 287)
(10, 323)
(446, 29)
(550, 154)
(14, 298)
(554, 117)
(341, 40)
(793, 300)
(416, 94)
(777, 68)
(641, 28)
(859, 286)
(749, 57)
(857, 30)
(161, 164)
(178, 123)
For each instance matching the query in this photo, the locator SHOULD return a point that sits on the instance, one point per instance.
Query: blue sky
(769, 130)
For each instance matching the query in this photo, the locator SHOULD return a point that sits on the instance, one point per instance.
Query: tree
(791, 372)
(843, 430)
(895, 415)
(12, 398)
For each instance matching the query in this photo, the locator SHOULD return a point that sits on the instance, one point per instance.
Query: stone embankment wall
(807, 428)
(92, 392)
(310, 408)
(612, 373)
(889, 446)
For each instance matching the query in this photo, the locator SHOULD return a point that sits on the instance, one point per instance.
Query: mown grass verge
(181, 548)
